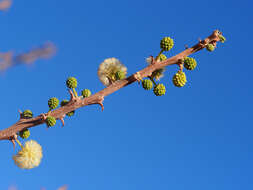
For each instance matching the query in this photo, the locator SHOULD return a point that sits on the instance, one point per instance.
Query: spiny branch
(77, 102)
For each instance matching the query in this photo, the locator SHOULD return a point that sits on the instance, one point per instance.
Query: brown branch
(5, 5)
(76, 102)
(9, 59)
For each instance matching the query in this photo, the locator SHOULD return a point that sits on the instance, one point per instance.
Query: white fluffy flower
(29, 156)
(107, 70)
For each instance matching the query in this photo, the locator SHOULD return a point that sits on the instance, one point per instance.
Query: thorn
(13, 142)
(199, 39)
(62, 121)
(102, 106)
(20, 113)
(186, 46)
(12, 139)
(153, 61)
(100, 102)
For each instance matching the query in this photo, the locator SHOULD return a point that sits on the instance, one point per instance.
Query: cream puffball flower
(107, 70)
(29, 156)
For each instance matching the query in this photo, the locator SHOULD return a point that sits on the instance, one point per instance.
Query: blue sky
(196, 137)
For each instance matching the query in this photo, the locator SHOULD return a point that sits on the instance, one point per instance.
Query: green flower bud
(161, 57)
(209, 47)
(222, 38)
(65, 102)
(53, 103)
(179, 79)
(71, 82)
(119, 75)
(166, 43)
(50, 121)
(190, 63)
(24, 134)
(71, 113)
(27, 114)
(86, 93)
(159, 90)
(147, 84)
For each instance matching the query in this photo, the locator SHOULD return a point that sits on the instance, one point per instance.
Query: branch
(77, 102)
(9, 59)
(5, 5)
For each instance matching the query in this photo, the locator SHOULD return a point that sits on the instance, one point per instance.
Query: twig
(75, 103)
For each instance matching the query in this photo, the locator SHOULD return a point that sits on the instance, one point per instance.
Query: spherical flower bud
(50, 121)
(159, 90)
(29, 156)
(209, 47)
(53, 103)
(27, 114)
(71, 82)
(179, 79)
(147, 84)
(166, 43)
(65, 102)
(119, 75)
(161, 57)
(86, 93)
(190, 63)
(24, 134)
(222, 38)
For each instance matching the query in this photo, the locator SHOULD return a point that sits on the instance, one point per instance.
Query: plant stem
(19, 143)
(152, 80)
(159, 54)
(74, 90)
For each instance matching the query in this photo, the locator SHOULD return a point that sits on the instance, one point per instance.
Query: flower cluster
(29, 156)
(111, 70)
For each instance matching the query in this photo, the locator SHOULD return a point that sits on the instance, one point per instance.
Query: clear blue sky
(195, 138)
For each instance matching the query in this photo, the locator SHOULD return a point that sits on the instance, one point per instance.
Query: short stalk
(152, 80)
(74, 90)
(159, 54)
(19, 143)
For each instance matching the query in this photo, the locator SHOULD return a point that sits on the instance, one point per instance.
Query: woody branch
(76, 102)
